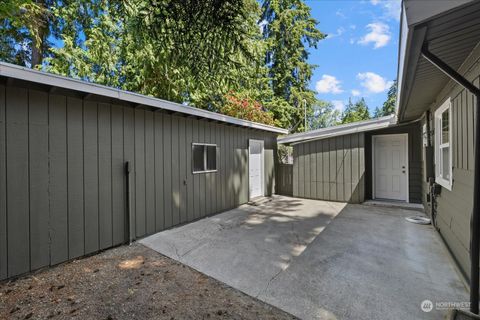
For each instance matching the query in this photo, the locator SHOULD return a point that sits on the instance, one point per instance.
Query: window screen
(198, 161)
(211, 157)
(204, 158)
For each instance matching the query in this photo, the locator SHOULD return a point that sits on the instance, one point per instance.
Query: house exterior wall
(415, 164)
(63, 181)
(454, 208)
(330, 169)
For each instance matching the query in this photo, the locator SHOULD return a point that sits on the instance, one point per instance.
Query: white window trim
(445, 107)
(205, 157)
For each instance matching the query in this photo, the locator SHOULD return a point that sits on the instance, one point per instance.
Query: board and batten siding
(330, 169)
(454, 208)
(63, 181)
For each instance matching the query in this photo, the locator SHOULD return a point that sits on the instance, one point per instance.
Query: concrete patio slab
(321, 260)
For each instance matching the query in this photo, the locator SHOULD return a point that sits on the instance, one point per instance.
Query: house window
(204, 157)
(443, 150)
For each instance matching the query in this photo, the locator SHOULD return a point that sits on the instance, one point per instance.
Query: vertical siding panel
(464, 128)
(458, 141)
(201, 176)
(90, 162)
(58, 179)
(471, 130)
(190, 178)
(319, 169)
(183, 169)
(339, 177)
(295, 177)
(238, 166)
(269, 166)
(175, 173)
(159, 156)
(347, 165)
(333, 169)
(167, 169)
(208, 176)
(218, 175)
(119, 218)
(149, 173)
(245, 165)
(458, 106)
(213, 194)
(326, 169)
(454, 133)
(355, 171)
(105, 175)
(18, 218)
(230, 196)
(306, 167)
(38, 161)
(140, 214)
(75, 178)
(129, 155)
(196, 177)
(301, 170)
(361, 164)
(313, 169)
(3, 189)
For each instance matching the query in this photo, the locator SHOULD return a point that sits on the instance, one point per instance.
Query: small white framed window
(204, 157)
(443, 142)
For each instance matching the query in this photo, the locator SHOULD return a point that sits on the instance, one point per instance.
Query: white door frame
(262, 166)
(406, 162)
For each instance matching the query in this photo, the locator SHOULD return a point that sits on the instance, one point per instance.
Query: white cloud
(355, 92)
(379, 35)
(338, 105)
(373, 82)
(340, 14)
(328, 84)
(391, 8)
(339, 32)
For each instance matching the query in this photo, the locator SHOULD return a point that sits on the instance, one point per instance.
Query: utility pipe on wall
(475, 220)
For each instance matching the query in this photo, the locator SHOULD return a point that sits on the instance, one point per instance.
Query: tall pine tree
(290, 31)
(389, 105)
(354, 112)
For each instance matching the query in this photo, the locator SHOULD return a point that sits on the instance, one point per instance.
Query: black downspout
(475, 220)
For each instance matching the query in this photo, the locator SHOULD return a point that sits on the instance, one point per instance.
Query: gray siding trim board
(63, 181)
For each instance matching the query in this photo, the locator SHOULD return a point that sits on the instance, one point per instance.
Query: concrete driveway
(321, 260)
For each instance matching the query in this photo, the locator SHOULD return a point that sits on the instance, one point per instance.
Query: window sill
(444, 183)
(206, 171)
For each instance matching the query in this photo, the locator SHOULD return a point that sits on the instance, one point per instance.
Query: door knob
(403, 171)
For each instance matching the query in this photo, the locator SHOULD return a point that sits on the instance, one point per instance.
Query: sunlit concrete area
(321, 260)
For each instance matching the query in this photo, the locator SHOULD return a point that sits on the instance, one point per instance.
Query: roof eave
(22, 73)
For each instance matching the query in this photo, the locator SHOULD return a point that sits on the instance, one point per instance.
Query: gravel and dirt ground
(128, 282)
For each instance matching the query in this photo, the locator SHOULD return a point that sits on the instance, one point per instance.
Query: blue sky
(359, 56)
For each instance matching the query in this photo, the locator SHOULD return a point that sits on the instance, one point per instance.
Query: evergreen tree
(289, 31)
(354, 112)
(388, 107)
(324, 115)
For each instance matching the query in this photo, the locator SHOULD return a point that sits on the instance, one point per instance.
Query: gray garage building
(64, 146)
(372, 159)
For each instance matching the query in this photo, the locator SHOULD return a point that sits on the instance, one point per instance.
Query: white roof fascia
(23, 73)
(354, 127)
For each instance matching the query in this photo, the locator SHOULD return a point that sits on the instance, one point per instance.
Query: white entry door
(390, 169)
(255, 168)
